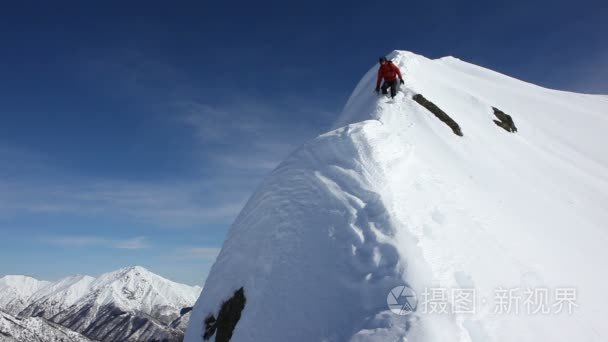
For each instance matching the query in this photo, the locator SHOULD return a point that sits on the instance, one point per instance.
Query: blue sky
(132, 132)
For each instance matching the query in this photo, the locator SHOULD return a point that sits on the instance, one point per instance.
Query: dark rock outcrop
(506, 121)
(440, 114)
(227, 318)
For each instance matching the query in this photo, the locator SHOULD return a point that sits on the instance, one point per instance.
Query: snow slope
(392, 197)
(15, 291)
(136, 288)
(34, 329)
(58, 296)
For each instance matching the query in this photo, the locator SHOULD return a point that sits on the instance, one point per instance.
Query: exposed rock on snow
(181, 323)
(504, 120)
(441, 115)
(227, 318)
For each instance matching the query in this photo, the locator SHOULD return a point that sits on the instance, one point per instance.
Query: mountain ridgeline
(131, 304)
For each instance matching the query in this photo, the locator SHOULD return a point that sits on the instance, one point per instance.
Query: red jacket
(389, 72)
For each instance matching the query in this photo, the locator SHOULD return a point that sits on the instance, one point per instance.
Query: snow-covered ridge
(58, 296)
(392, 197)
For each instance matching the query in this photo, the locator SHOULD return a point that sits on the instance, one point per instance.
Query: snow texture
(57, 297)
(15, 291)
(392, 197)
(129, 304)
(34, 329)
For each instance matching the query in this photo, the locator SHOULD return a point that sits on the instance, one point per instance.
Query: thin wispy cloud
(139, 242)
(247, 162)
(208, 122)
(242, 126)
(235, 121)
(134, 243)
(178, 203)
(254, 137)
(182, 204)
(198, 253)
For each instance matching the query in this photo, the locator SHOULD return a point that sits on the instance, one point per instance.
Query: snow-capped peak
(130, 296)
(136, 288)
(16, 291)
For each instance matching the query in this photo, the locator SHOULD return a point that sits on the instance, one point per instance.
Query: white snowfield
(392, 197)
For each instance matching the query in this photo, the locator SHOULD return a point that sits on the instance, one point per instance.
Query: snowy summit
(510, 212)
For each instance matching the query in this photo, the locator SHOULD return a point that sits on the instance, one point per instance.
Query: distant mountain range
(130, 304)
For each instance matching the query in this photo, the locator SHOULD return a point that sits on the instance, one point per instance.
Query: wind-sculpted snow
(316, 220)
(392, 197)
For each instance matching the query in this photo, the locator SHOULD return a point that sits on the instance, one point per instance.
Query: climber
(389, 72)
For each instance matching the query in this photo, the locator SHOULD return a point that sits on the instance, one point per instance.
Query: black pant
(390, 84)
